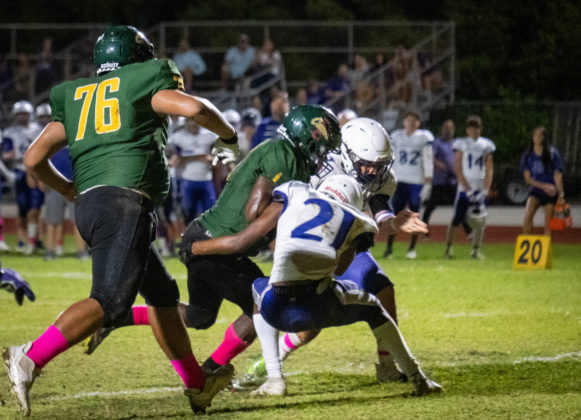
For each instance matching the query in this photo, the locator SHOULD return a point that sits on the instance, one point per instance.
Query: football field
(502, 343)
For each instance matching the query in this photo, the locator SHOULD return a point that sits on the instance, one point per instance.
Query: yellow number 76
(111, 106)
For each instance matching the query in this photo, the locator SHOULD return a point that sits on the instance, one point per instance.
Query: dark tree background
(505, 49)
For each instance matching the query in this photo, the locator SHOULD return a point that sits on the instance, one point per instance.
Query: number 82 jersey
(313, 230)
(114, 135)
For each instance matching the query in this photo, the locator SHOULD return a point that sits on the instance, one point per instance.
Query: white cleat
(477, 255)
(4, 247)
(385, 373)
(449, 254)
(21, 372)
(411, 255)
(215, 382)
(29, 250)
(272, 386)
(59, 251)
(424, 386)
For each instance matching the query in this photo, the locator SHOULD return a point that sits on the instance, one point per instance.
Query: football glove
(225, 152)
(11, 281)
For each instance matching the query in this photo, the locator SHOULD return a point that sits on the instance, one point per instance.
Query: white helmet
(43, 109)
(22, 107)
(233, 117)
(366, 144)
(477, 211)
(342, 188)
(251, 116)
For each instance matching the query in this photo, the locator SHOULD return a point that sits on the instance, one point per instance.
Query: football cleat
(387, 254)
(389, 373)
(95, 339)
(424, 386)
(4, 246)
(21, 372)
(215, 382)
(477, 255)
(411, 254)
(449, 254)
(272, 386)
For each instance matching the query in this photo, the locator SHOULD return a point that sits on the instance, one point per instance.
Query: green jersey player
(306, 135)
(115, 125)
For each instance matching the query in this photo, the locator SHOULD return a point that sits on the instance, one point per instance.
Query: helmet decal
(321, 125)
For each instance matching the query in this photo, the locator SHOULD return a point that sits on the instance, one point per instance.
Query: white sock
(287, 343)
(32, 231)
(390, 339)
(268, 337)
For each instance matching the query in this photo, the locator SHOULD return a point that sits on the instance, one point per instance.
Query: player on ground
(413, 168)
(116, 127)
(367, 157)
(307, 134)
(318, 234)
(474, 168)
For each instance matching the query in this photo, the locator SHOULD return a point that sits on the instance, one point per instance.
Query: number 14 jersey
(312, 232)
(474, 154)
(114, 135)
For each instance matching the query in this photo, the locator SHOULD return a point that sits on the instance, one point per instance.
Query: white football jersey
(474, 154)
(334, 167)
(192, 145)
(312, 232)
(19, 138)
(411, 165)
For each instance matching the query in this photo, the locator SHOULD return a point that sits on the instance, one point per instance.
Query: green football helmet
(314, 131)
(118, 46)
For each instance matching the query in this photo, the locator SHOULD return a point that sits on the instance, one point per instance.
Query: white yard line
(359, 368)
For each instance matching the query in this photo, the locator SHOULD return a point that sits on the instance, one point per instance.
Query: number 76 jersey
(312, 232)
(115, 137)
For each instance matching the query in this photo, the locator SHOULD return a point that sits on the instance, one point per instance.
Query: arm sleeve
(168, 78)
(380, 207)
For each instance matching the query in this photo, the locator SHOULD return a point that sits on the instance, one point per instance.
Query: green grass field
(503, 343)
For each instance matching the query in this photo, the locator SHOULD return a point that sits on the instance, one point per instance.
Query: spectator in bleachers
(279, 106)
(189, 62)
(337, 86)
(301, 98)
(5, 71)
(315, 93)
(542, 168)
(251, 118)
(402, 64)
(237, 61)
(22, 78)
(360, 68)
(197, 189)
(46, 72)
(268, 59)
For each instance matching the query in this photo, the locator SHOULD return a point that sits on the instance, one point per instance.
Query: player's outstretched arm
(36, 159)
(408, 222)
(11, 281)
(258, 199)
(237, 243)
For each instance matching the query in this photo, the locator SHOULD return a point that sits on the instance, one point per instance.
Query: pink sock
(231, 347)
(140, 316)
(289, 343)
(190, 372)
(48, 346)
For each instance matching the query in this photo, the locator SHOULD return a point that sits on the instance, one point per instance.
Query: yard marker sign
(533, 252)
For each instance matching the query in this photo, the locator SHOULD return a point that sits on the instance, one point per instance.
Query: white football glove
(225, 152)
(425, 192)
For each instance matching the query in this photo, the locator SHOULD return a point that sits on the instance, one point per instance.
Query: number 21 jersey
(312, 232)
(114, 135)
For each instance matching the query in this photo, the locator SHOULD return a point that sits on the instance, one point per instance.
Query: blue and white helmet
(22, 107)
(343, 188)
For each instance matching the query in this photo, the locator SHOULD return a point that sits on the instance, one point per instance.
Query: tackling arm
(234, 244)
(36, 159)
(259, 198)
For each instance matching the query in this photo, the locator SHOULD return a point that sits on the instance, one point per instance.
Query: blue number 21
(325, 214)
